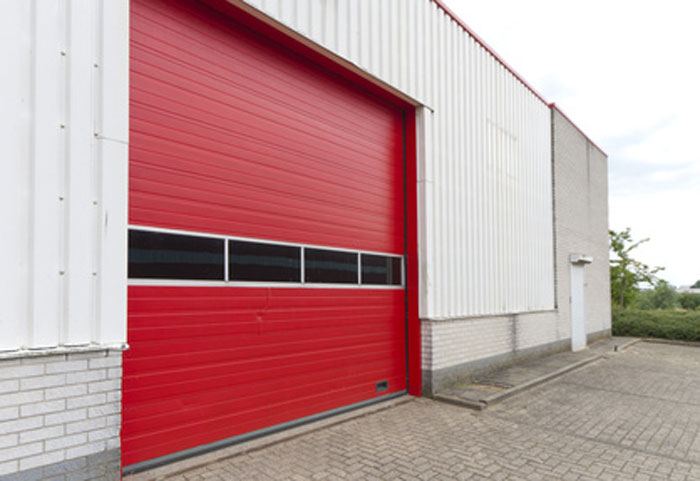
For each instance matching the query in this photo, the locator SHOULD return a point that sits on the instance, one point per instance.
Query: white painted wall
(63, 175)
(485, 186)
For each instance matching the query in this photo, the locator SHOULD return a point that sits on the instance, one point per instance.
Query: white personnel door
(578, 307)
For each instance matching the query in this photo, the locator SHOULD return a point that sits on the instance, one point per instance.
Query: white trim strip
(290, 285)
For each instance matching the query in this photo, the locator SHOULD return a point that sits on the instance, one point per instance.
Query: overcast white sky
(628, 74)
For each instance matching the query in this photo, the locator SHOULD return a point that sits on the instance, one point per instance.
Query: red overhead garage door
(266, 236)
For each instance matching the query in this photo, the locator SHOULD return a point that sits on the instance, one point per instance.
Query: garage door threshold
(197, 457)
(479, 393)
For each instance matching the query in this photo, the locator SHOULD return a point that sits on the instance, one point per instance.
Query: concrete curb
(627, 344)
(674, 342)
(497, 397)
(466, 403)
(483, 403)
(621, 347)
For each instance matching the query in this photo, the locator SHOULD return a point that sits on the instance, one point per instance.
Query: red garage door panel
(211, 363)
(232, 134)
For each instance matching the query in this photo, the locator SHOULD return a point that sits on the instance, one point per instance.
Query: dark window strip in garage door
(166, 256)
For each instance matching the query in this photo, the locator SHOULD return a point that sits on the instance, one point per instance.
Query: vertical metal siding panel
(470, 209)
(448, 162)
(375, 35)
(111, 301)
(302, 17)
(45, 211)
(485, 149)
(458, 130)
(384, 15)
(489, 197)
(394, 43)
(79, 245)
(431, 165)
(15, 96)
(440, 160)
(401, 44)
(448, 166)
(272, 8)
(331, 25)
(287, 13)
(49, 183)
(354, 33)
(112, 122)
(518, 251)
(460, 134)
(508, 238)
(474, 113)
(420, 71)
(316, 16)
(365, 33)
(340, 25)
(425, 187)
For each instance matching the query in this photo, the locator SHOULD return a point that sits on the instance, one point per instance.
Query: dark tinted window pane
(330, 266)
(381, 270)
(155, 255)
(253, 261)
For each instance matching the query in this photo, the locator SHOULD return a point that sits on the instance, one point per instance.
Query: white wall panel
(64, 97)
(484, 180)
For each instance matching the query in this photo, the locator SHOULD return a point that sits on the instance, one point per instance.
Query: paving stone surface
(634, 416)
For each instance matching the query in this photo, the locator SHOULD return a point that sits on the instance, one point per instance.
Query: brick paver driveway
(635, 416)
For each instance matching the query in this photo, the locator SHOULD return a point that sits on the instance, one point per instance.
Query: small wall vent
(382, 386)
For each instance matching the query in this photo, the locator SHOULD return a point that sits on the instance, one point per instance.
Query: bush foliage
(664, 324)
(689, 301)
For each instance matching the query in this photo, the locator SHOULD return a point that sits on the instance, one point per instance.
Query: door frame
(577, 300)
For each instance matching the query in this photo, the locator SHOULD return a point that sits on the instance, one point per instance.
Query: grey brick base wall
(436, 380)
(60, 416)
(101, 466)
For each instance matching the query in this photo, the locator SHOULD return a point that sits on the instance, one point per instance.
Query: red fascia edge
(413, 331)
(488, 48)
(553, 106)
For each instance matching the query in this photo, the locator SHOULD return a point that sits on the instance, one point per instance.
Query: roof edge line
(489, 49)
(554, 106)
(500, 60)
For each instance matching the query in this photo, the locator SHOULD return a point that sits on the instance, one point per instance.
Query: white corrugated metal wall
(64, 124)
(485, 188)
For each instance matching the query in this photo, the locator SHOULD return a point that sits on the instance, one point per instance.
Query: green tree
(644, 300)
(627, 273)
(696, 285)
(664, 296)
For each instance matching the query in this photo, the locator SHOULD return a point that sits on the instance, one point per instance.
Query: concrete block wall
(60, 416)
(469, 347)
(581, 220)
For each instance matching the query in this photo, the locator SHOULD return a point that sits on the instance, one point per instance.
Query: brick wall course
(56, 409)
